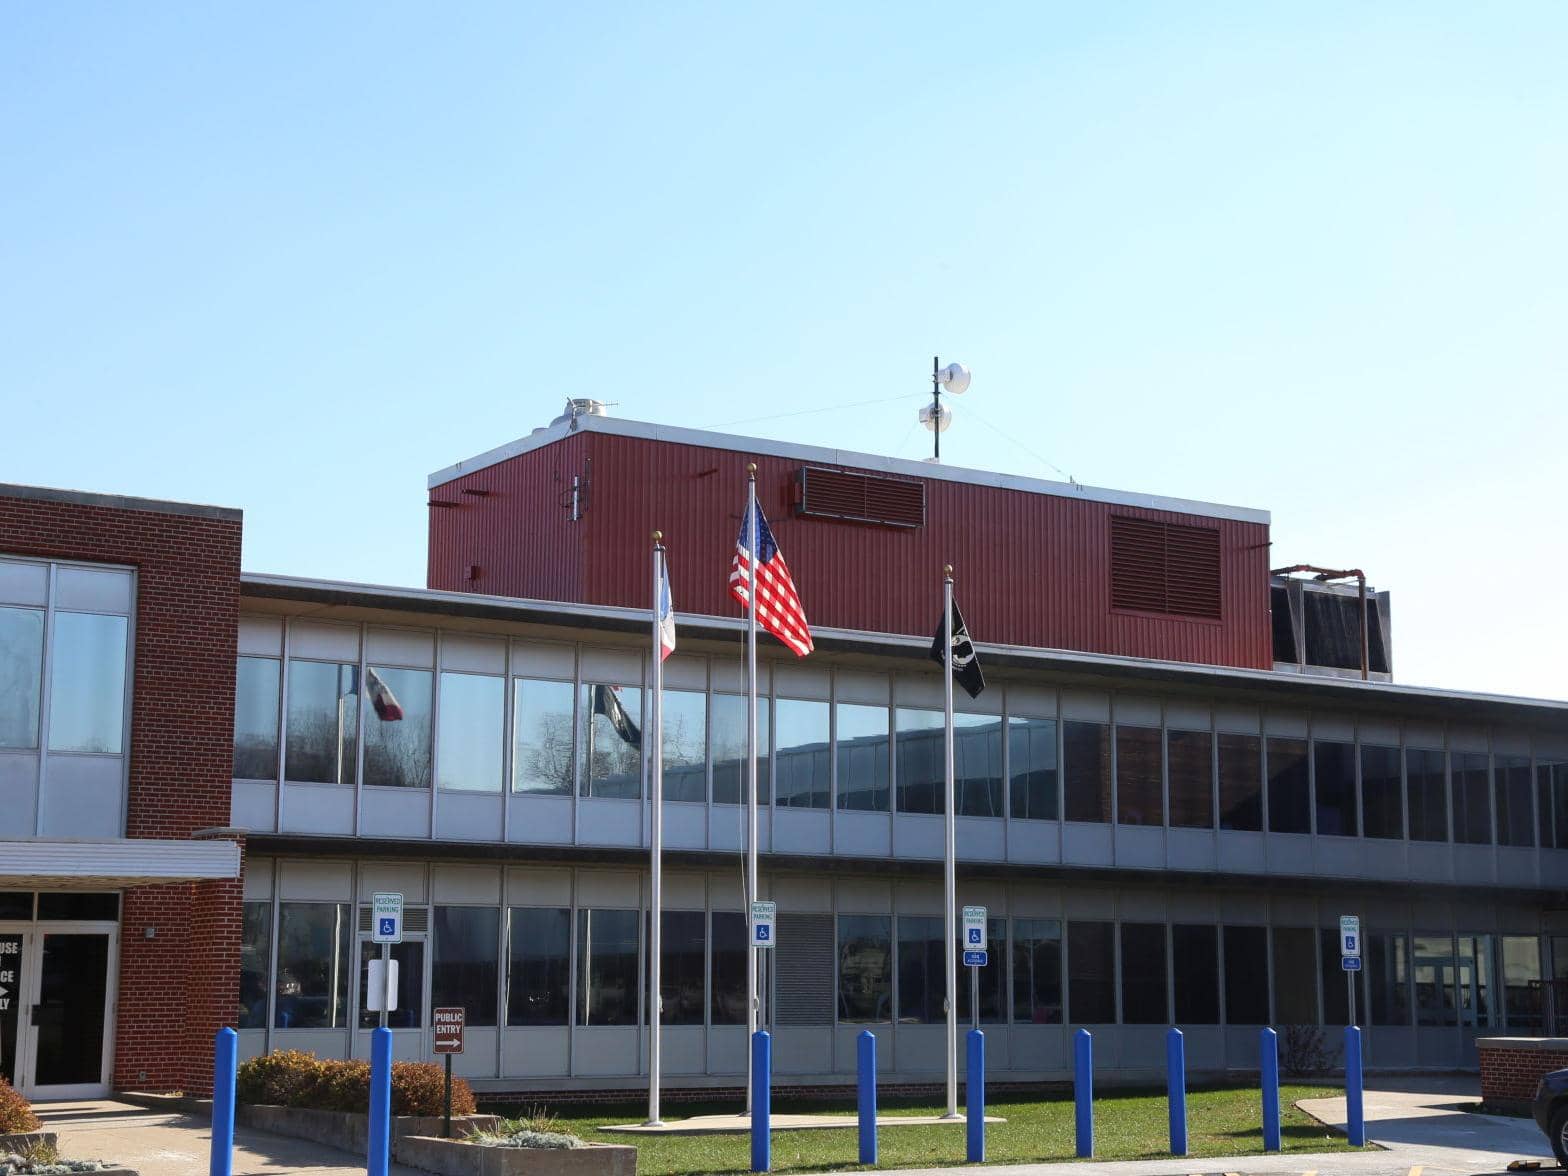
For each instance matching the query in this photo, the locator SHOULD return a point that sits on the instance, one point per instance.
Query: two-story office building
(1174, 785)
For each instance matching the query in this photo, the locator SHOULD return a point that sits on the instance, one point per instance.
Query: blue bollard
(866, 1049)
(761, 1101)
(974, 1097)
(225, 1062)
(1268, 1063)
(1355, 1114)
(1176, 1085)
(1083, 1091)
(379, 1147)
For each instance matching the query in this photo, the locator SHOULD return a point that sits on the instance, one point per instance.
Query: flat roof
(119, 502)
(1294, 688)
(619, 427)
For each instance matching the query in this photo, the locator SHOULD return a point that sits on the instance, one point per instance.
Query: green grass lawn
(1128, 1126)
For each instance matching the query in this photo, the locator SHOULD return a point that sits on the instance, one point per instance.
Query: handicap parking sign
(387, 928)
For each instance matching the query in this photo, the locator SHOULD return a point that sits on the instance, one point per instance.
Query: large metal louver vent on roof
(1168, 568)
(861, 498)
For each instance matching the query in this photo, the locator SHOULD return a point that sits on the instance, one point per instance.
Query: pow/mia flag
(966, 666)
(607, 702)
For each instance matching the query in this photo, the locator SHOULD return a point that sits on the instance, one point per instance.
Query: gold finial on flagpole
(947, 571)
(751, 469)
(658, 536)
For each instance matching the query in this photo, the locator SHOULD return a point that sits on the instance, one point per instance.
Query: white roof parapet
(840, 457)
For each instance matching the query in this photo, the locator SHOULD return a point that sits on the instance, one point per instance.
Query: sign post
(448, 1040)
(386, 928)
(1350, 956)
(764, 934)
(976, 955)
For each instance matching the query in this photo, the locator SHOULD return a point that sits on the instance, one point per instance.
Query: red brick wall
(178, 988)
(1511, 1074)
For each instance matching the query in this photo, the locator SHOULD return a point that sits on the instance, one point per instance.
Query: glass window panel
(397, 750)
(1475, 980)
(255, 964)
(87, 683)
(1241, 782)
(921, 970)
(1382, 806)
(322, 714)
(314, 965)
(612, 721)
(861, 758)
(256, 710)
(1334, 781)
(1388, 979)
(1086, 755)
(1091, 973)
(1195, 960)
(1037, 972)
(538, 975)
(1139, 777)
(1554, 790)
(1515, 801)
(1246, 972)
(1522, 990)
(542, 736)
(977, 765)
(1559, 957)
(1472, 798)
(865, 969)
(1143, 974)
(78, 904)
(21, 675)
(1336, 989)
(1190, 756)
(800, 757)
(686, 750)
(472, 732)
(1031, 768)
(410, 1011)
(729, 749)
(607, 967)
(1433, 968)
(1426, 794)
(465, 965)
(16, 904)
(993, 980)
(728, 984)
(682, 970)
(1290, 787)
(1295, 976)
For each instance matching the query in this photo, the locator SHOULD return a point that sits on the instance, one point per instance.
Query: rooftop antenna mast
(955, 378)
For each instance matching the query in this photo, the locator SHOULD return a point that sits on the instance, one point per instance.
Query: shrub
(1303, 1051)
(16, 1116)
(290, 1078)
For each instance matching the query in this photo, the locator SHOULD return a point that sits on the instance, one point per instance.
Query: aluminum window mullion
(45, 707)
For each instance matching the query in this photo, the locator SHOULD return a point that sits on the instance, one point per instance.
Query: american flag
(778, 605)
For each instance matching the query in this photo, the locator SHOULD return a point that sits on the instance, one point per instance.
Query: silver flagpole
(949, 848)
(656, 840)
(752, 996)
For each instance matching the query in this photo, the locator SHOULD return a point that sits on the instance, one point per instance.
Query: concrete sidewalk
(159, 1143)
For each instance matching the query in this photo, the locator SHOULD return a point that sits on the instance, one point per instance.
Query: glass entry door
(11, 963)
(59, 1043)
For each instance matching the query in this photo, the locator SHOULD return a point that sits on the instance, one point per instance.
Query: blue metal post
(1355, 1115)
(379, 1151)
(1176, 1084)
(1268, 1063)
(1083, 1091)
(225, 1061)
(866, 1049)
(974, 1097)
(761, 1101)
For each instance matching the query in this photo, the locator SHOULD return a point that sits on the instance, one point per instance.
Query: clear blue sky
(1311, 258)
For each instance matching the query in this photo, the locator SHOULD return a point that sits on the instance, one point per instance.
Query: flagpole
(949, 848)
(656, 841)
(752, 994)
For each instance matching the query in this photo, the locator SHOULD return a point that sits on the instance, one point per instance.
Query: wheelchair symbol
(389, 926)
(974, 935)
(763, 932)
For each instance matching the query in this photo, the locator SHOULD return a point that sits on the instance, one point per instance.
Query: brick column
(212, 992)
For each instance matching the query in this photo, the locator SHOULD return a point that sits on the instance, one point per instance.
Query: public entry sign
(764, 917)
(386, 917)
(448, 1025)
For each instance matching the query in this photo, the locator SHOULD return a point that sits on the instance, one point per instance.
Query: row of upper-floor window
(457, 729)
(64, 650)
(540, 966)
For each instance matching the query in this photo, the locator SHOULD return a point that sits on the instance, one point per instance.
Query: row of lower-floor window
(857, 757)
(522, 966)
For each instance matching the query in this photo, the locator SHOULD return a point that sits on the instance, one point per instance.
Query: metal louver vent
(414, 919)
(861, 498)
(1165, 567)
(803, 983)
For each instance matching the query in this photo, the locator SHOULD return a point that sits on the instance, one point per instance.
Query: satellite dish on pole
(930, 419)
(954, 378)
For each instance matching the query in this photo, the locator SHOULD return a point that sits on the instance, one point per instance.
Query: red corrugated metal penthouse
(566, 513)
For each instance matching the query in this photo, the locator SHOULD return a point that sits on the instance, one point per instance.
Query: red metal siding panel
(1032, 569)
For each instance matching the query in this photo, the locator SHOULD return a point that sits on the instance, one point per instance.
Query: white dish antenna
(954, 378)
